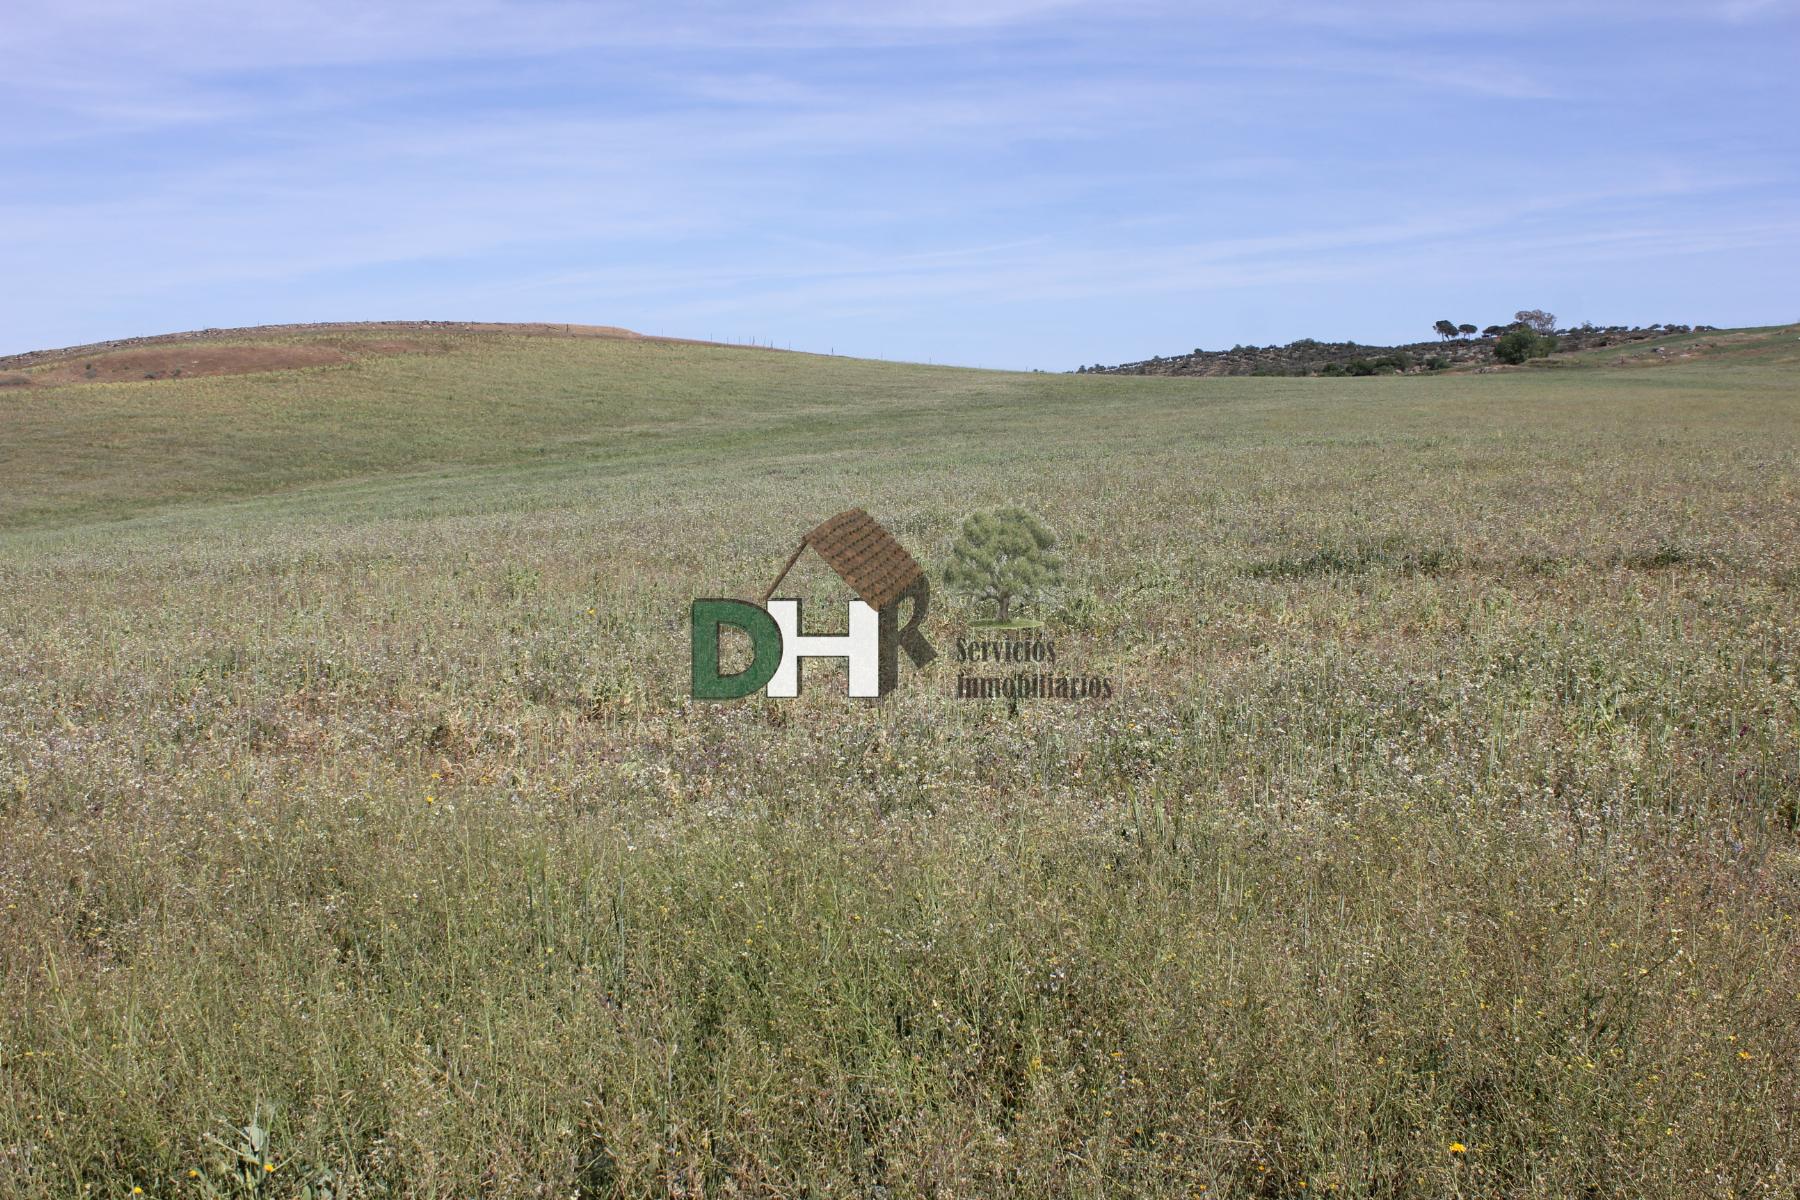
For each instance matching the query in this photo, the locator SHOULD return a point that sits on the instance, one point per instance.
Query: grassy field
(359, 838)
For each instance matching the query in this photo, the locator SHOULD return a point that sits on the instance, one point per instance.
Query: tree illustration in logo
(1005, 556)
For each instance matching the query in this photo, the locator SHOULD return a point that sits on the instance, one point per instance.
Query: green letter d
(765, 648)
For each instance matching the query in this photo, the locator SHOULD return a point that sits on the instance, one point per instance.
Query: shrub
(1517, 345)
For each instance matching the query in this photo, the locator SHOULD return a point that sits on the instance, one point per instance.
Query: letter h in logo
(861, 647)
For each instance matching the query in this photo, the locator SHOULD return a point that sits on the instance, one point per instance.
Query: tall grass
(1440, 840)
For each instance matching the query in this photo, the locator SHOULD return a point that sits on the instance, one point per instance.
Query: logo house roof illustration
(865, 556)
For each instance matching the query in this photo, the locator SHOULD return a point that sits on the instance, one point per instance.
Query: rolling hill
(362, 838)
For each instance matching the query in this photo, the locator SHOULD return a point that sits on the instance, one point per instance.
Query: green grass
(348, 786)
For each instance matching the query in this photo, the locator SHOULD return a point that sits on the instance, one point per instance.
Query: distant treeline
(1531, 334)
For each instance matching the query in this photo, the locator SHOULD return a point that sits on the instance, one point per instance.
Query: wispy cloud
(893, 178)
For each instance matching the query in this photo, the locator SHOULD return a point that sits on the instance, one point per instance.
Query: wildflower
(1744, 1054)
(1458, 1148)
(269, 1167)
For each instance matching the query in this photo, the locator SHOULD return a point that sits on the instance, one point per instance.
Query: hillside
(363, 837)
(116, 428)
(145, 424)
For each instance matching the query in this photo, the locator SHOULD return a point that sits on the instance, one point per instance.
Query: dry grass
(348, 787)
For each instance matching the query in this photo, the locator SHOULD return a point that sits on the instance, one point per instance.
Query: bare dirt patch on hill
(183, 362)
(262, 348)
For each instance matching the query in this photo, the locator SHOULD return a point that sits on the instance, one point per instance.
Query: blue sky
(1014, 183)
